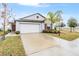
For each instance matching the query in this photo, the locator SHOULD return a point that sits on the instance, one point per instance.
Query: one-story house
(30, 24)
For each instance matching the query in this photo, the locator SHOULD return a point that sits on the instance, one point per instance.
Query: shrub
(9, 30)
(47, 31)
(6, 32)
(51, 31)
(55, 31)
(17, 32)
(0, 29)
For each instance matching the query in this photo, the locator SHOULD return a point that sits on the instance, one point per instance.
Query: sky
(22, 10)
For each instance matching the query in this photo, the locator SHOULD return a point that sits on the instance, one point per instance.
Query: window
(37, 16)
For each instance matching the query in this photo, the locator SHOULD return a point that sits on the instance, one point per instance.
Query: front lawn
(67, 35)
(12, 46)
(1, 33)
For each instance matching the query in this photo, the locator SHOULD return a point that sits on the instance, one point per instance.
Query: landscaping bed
(12, 46)
(51, 31)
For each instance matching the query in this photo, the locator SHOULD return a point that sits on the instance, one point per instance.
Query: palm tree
(59, 17)
(54, 17)
(51, 16)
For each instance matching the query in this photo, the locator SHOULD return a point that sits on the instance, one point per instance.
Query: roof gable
(33, 17)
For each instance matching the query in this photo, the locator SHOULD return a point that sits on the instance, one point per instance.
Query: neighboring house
(30, 24)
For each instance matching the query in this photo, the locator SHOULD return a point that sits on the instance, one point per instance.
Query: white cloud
(35, 4)
(29, 4)
(40, 1)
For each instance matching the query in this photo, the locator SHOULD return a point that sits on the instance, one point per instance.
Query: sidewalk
(11, 34)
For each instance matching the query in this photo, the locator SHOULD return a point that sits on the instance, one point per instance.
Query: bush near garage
(9, 30)
(17, 32)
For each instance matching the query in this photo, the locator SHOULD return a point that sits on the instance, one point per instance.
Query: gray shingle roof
(28, 20)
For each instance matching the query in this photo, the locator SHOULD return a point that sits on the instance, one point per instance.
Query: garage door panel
(29, 28)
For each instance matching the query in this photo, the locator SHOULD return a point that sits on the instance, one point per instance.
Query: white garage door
(30, 28)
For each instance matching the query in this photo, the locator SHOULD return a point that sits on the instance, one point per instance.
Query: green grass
(1, 32)
(67, 35)
(12, 46)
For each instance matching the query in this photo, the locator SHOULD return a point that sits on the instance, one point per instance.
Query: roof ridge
(32, 15)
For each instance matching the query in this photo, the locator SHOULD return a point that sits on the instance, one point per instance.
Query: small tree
(72, 23)
(5, 15)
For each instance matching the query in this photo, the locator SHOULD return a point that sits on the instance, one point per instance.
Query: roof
(32, 15)
(28, 20)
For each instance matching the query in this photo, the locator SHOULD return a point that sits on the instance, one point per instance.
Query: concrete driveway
(35, 42)
(40, 44)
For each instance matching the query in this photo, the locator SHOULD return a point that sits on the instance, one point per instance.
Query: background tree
(72, 23)
(59, 17)
(60, 24)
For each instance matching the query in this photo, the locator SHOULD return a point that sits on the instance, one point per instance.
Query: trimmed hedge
(9, 30)
(17, 32)
(51, 31)
(47, 31)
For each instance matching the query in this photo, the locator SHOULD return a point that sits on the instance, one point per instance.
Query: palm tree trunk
(51, 26)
